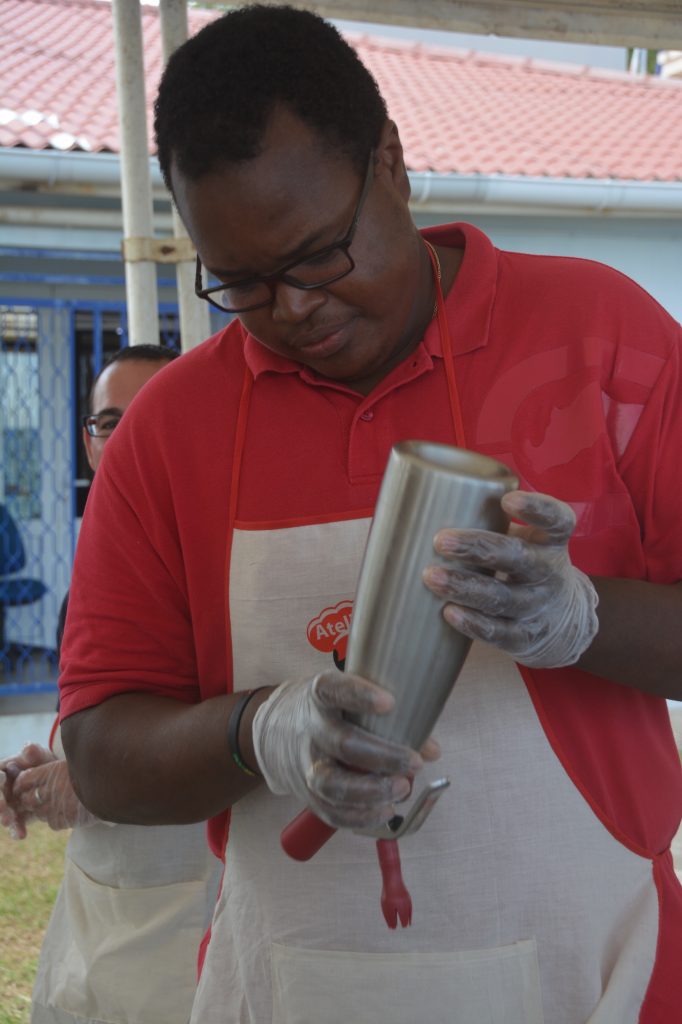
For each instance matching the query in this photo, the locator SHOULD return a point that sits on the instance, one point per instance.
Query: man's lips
(322, 343)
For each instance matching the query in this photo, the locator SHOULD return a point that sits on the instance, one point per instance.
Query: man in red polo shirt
(228, 522)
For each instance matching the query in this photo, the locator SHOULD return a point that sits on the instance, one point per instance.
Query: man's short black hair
(137, 353)
(221, 86)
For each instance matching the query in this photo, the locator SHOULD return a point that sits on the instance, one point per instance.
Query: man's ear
(390, 158)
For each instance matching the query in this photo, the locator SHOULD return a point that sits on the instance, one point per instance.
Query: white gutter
(52, 168)
(91, 218)
(495, 193)
(437, 193)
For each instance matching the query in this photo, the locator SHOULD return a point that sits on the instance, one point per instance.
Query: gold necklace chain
(438, 272)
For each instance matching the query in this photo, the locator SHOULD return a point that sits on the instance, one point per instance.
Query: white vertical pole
(195, 322)
(136, 188)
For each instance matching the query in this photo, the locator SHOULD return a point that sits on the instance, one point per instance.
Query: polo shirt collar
(260, 359)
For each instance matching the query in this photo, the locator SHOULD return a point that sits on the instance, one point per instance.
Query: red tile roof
(458, 111)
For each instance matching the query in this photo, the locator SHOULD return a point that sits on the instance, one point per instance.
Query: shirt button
(367, 415)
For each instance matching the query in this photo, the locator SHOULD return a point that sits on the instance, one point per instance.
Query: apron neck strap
(446, 348)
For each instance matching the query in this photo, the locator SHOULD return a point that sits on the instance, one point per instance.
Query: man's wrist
(244, 733)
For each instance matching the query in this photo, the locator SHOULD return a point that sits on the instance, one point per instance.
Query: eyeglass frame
(87, 421)
(270, 280)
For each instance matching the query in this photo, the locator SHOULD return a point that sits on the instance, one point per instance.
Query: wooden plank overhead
(654, 24)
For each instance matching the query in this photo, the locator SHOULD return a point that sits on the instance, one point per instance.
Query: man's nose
(294, 305)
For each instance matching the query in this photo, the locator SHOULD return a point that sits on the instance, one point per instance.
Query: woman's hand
(37, 786)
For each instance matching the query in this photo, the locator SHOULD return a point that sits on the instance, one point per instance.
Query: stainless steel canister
(398, 636)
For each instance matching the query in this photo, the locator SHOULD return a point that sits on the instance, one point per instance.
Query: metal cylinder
(398, 636)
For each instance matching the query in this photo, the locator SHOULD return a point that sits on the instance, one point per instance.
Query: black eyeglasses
(101, 425)
(315, 271)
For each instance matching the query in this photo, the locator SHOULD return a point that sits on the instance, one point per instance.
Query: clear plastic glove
(305, 748)
(9, 816)
(529, 601)
(36, 786)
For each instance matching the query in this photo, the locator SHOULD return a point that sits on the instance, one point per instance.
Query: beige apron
(526, 909)
(122, 942)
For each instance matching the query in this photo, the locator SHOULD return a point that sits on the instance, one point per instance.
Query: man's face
(297, 197)
(113, 393)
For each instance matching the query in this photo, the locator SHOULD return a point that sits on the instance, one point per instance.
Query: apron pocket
(480, 986)
(122, 955)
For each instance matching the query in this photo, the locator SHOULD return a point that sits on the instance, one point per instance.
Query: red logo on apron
(328, 631)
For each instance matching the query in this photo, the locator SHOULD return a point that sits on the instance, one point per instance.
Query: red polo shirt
(566, 371)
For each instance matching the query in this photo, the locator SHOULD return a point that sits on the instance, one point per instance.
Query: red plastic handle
(305, 835)
(396, 903)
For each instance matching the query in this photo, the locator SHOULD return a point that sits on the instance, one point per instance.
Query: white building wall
(649, 250)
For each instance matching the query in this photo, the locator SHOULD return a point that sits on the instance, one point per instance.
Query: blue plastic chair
(14, 590)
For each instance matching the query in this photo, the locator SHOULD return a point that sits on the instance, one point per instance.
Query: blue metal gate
(50, 351)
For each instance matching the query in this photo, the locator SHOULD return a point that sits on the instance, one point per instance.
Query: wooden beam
(650, 25)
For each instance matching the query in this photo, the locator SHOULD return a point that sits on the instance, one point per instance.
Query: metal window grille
(50, 352)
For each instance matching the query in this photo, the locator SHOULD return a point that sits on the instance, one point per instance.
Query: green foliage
(30, 874)
(651, 59)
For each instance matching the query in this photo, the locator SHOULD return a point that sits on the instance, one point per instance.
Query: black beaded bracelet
(233, 724)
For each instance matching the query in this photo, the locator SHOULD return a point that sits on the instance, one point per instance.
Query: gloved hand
(36, 786)
(304, 747)
(535, 604)
(9, 815)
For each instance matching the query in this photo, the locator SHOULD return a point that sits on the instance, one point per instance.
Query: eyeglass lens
(315, 272)
(102, 426)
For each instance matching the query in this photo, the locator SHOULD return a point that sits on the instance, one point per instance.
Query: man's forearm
(639, 642)
(148, 760)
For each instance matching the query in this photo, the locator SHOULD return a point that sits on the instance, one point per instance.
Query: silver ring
(38, 797)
